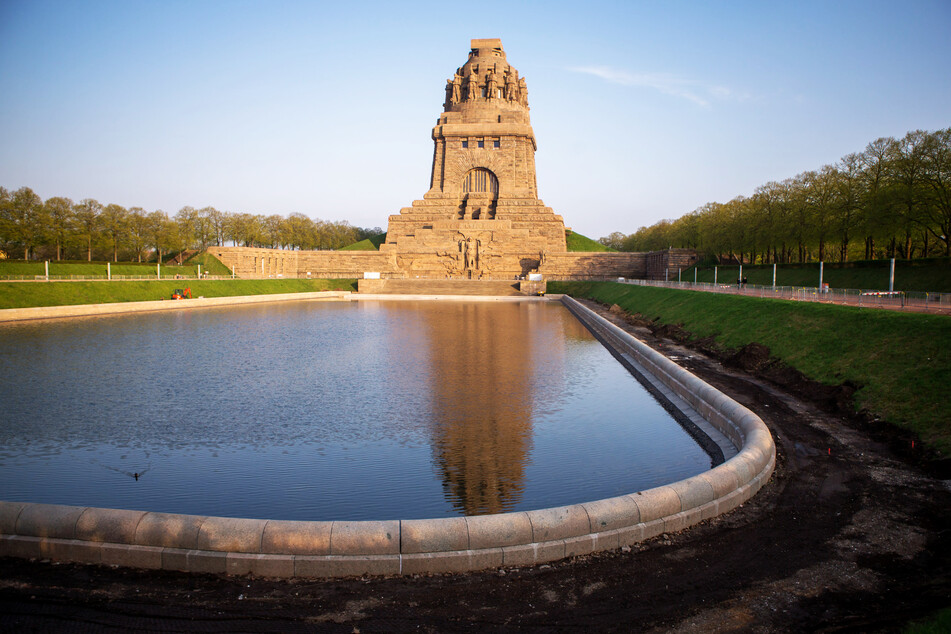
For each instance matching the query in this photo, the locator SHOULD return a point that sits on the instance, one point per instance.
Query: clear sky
(642, 110)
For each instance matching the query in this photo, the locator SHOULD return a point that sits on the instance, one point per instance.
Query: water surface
(328, 410)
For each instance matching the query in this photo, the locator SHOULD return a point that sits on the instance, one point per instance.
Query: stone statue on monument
(472, 87)
(491, 85)
(511, 84)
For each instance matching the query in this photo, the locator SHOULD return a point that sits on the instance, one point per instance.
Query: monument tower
(481, 218)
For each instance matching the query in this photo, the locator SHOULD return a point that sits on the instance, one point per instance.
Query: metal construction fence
(899, 300)
(164, 277)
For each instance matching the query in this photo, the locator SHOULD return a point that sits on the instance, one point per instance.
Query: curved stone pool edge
(280, 548)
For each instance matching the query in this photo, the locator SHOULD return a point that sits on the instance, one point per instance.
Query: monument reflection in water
(315, 411)
(487, 366)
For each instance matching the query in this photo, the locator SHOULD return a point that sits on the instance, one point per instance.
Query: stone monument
(481, 218)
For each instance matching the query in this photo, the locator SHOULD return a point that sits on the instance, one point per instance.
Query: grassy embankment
(27, 294)
(578, 242)
(900, 360)
(925, 275)
(370, 244)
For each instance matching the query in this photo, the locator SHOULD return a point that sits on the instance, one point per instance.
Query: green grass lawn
(578, 242)
(927, 275)
(27, 294)
(902, 361)
(210, 265)
(369, 244)
(30, 269)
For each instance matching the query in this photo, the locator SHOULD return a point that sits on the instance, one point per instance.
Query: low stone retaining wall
(90, 310)
(328, 549)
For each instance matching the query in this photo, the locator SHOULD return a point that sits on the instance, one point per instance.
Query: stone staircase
(440, 287)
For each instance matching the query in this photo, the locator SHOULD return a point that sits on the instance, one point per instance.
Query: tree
(936, 173)
(205, 229)
(614, 241)
(25, 220)
(138, 230)
(218, 220)
(877, 218)
(163, 233)
(244, 229)
(764, 204)
(114, 221)
(187, 219)
(301, 233)
(909, 185)
(87, 214)
(849, 196)
(819, 191)
(274, 231)
(62, 222)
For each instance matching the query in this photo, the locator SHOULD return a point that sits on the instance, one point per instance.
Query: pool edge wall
(283, 548)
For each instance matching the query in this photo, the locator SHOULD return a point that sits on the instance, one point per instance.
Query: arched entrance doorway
(480, 191)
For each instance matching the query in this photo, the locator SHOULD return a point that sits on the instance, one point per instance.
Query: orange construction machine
(182, 293)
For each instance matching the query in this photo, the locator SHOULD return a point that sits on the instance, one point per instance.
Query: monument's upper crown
(486, 48)
(486, 82)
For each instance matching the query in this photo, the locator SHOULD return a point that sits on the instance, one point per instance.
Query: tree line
(893, 199)
(59, 228)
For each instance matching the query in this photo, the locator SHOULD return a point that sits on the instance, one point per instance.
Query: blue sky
(642, 110)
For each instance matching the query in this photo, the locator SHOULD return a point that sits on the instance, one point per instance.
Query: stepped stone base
(447, 287)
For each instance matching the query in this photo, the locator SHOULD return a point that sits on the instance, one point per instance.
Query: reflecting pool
(328, 410)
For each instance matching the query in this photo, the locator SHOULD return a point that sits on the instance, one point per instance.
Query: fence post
(678, 275)
(891, 277)
(47, 263)
(820, 276)
(199, 271)
(158, 268)
(714, 276)
(740, 280)
(108, 271)
(774, 275)
(695, 275)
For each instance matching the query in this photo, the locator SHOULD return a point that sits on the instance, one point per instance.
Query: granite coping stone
(296, 537)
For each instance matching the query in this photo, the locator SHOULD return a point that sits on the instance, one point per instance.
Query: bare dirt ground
(849, 535)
